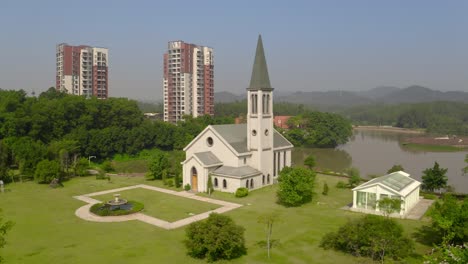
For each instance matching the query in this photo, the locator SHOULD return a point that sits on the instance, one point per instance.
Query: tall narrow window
(267, 104)
(256, 103)
(224, 184)
(253, 103)
(274, 163)
(263, 103)
(278, 155)
(284, 159)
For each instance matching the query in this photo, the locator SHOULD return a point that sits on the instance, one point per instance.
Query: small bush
(325, 189)
(187, 187)
(170, 182)
(429, 196)
(242, 192)
(341, 185)
(103, 209)
(107, 166)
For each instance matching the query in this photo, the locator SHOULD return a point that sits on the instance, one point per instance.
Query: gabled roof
(208, 158)
(399, 182)
(235, 135)
(260, 79)
(236, 172)
(279, 141)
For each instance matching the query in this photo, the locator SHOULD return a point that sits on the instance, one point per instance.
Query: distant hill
(383, 94)
(227, 97)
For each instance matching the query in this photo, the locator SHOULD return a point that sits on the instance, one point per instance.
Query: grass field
(432, 148)
(162, 205)
(47, 231)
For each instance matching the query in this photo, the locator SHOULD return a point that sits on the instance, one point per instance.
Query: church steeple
(260, 79)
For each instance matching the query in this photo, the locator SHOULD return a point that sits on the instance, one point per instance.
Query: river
(374, 152)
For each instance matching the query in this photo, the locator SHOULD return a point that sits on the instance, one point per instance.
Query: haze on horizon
(309, 45)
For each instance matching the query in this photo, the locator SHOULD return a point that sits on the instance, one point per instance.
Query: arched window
(253, 103)
(251, 183)
(264, 103)
(216, 182)
(268, 178)
(263, 179)
(247, 184)
(194, 171)
(267, 103)
(224, 184)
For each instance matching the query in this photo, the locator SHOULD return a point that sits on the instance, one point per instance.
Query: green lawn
(162, 205)
(47, 231)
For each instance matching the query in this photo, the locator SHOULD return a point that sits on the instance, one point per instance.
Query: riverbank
(390, 129)
(437, 143)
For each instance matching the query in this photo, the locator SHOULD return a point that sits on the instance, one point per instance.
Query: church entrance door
(194, 180)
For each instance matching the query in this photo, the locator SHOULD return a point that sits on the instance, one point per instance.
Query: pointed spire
(260, 79)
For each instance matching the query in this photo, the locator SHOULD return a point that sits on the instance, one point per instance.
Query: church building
(240, 155)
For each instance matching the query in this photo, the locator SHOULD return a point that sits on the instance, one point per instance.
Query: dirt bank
(390, 128)
(459, 142)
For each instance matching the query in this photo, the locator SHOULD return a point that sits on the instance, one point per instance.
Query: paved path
(84, 213)
(419, 209)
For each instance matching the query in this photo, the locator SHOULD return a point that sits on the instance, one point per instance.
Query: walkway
(419, 209)
(84, 213)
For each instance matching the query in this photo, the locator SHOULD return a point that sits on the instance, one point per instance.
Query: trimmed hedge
(242, 192)
(103, 209)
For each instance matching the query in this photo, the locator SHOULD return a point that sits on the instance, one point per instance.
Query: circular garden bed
(103, 209)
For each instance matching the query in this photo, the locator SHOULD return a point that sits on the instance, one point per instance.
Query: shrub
(341, 185)
(371, 236)
(46, 171)
(354, 178)
(216, 238)
(296, 186)
(325, 189)
(242, 192)
(170, 182)
(107, 166)
(187, 187)
(103, 209)
(177, 180)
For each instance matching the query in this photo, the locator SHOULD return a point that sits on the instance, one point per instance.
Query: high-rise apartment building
(188, 81)
(82, 70)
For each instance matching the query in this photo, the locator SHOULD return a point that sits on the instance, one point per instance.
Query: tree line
(435, 117)
(62, 127)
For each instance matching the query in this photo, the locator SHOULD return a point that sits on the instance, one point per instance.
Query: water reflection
(374, 152)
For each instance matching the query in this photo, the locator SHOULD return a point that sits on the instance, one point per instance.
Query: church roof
(207, 158)
(236, 136)
(260, 79)
(236, 172)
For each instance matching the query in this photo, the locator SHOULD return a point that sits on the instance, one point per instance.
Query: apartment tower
(82, 70)
(188, 81)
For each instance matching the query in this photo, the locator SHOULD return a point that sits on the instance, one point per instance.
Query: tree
(310, 162)
(371, 236)
(159, 164)
(4, 228)
(209, 186)
(395, 168)
(216, 238)
(325, 189)
(354, 178)
(46, 171)
(450, 219)
(434, 178)
(81, 166)
(389, 206)
(269, 219)
(296, 186)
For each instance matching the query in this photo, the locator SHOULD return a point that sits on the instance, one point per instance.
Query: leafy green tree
(448, 254)
(310, 162)
(395, 168)
(296, 186)
(389, 206)
(158, 165)
(370, 236)
(5, 226)
(216, 238)
(46, 171)
(450, 219)
(268, 220)
(81, 166)
(107, 166)
(354, 177)
(434, 178)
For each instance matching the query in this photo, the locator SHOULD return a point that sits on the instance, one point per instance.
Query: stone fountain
(118, 203)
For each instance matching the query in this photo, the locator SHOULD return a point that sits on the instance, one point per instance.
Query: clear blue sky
(310, 45)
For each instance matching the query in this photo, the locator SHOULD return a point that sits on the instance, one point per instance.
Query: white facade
(397, 185)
